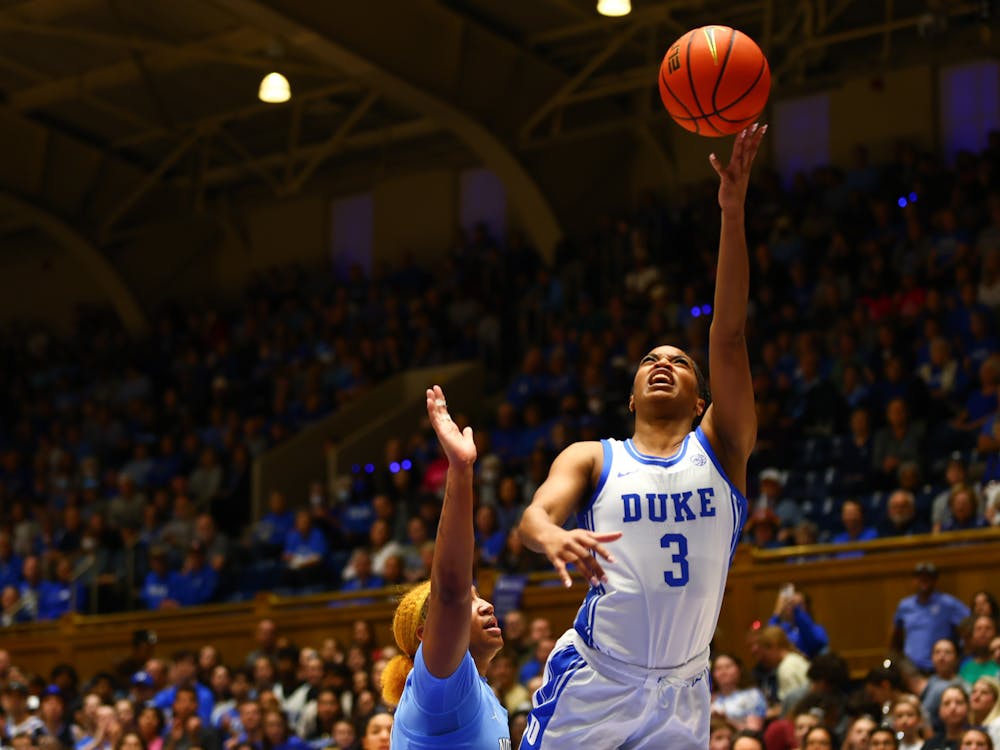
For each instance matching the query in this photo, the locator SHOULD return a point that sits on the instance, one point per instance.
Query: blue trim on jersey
(605, 470)
(584, 622)
(740, 506)
(562, 666)
(657, 460)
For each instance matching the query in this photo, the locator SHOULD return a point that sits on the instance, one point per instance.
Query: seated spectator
(106, 730)
(18, 719)
(215, 543)
(183, 676)
(12, 609)
(855, 460)
(720, 733)
(858, 734)
(377, 731)
(249, 730)
(318, 721)
(490, 538)
(964, 510)
(954, 715)
(762, 529)
(852, 517)
(733, 697)
(792, 614)
(503, 678)
(304, 553)
(344, 736)
(31, 584)
(907, 719)
(364, 577)
(777, 653)
(883, 685)
(984, 701)
(956, 472)
(771, 497)
(61, 595)
(978, 661)
(10, 564)
(186, 729)
(195, 583)
(156, 587)
(271, 531)
(381, 544)
(901, 516)
(534, 665)
(900, 440)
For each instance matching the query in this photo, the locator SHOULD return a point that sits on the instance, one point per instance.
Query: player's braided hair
(410, 615)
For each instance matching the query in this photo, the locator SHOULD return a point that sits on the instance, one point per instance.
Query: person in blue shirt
(305, 552)
(10, 564)
(447, 634)
(184, 672)
(791, 612)
(196, 582)
(155, 588)
(852, 516)
(62, 595)
(925, 618)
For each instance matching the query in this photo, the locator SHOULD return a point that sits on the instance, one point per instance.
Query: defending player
(632, 672)
(447, 633)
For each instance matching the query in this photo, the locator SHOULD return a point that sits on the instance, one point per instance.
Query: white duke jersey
(680, 519)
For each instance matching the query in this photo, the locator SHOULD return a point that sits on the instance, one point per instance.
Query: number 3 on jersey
(677, 544)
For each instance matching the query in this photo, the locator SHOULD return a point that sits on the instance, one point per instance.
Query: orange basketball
(714, 81)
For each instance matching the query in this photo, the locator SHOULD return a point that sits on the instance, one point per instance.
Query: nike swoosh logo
(626, 473)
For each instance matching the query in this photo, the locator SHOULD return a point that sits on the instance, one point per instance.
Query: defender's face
(484, 630)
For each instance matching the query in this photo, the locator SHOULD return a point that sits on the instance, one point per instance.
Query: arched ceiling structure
(114, 110)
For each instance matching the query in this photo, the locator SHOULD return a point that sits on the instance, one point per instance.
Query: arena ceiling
(108, 106)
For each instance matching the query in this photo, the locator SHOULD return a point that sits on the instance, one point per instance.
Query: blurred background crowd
(125, 464)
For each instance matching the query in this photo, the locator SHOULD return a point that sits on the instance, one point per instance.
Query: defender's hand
(457, 445)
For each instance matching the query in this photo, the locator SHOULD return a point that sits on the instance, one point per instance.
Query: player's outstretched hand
(458, 445)
(734, 177)
(576, 547)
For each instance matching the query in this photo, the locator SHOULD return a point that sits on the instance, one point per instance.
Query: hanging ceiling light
(274, 89)
(614, 8)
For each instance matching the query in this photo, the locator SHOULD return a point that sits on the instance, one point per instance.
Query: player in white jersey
(632, 672)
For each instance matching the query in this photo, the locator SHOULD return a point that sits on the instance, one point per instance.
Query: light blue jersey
(459, 712)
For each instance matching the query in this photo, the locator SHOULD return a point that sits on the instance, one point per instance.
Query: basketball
(714, 81)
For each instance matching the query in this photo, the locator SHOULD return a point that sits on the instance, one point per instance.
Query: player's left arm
(730, 423)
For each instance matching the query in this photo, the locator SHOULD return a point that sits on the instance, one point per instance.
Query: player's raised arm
(446, 632)
(555, 499)
(731, 421)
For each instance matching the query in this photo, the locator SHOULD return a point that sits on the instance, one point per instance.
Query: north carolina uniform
(459, 712)
(633, 670)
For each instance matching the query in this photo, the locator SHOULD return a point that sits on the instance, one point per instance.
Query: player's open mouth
(492, 626)
(661, 378)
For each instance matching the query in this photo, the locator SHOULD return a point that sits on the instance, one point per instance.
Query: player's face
(666, 373)
(484, 630)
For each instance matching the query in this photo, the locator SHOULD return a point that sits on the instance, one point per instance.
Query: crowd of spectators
(937, 687)
(938, 682)
(125, 464)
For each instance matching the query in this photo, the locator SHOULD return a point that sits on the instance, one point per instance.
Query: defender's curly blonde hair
(410, 615)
